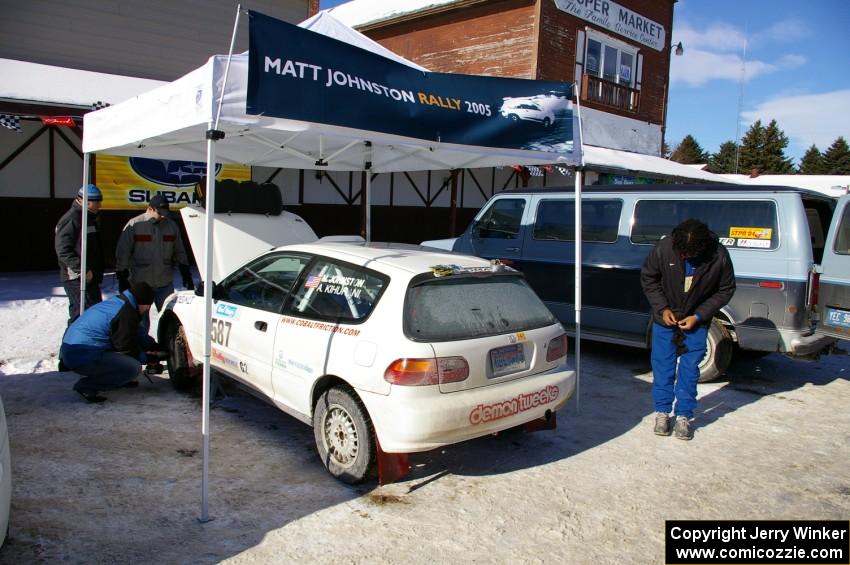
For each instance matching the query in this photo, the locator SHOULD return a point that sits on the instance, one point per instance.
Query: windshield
(452, 308)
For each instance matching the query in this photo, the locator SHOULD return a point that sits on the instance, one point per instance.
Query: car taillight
(814, 288)
(557, 348)
(421, 372)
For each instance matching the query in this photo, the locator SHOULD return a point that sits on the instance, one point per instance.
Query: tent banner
(128, 183)
(298, 74)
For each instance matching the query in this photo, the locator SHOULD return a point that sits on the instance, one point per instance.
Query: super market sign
(618, 19)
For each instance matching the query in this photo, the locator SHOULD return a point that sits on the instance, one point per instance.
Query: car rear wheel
(718, 353)
(179, 369)
(345, 438)
(547, 122)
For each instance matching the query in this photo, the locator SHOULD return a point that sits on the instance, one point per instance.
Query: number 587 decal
(220, 333)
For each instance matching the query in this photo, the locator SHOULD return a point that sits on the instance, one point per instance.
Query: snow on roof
(329, 25)
(831, 185)
(46, 84)
(360, 12)
(603, 157)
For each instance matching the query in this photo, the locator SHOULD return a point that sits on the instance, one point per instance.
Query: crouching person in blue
(687, 278)
(107, 345)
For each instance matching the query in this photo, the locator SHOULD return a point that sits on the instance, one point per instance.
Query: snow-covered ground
(119, 482)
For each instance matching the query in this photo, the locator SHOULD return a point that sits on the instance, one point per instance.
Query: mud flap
(391, 466)
(547, 422)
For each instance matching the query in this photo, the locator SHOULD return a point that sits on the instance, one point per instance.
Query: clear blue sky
(796, 70)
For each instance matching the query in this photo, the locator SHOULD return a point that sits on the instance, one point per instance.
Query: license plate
(840, 318)
(508, 359)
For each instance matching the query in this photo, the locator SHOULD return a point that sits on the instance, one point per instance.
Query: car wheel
(513, 117)
(179, 370)
(344, 436)
(718, 352)
(547, 122)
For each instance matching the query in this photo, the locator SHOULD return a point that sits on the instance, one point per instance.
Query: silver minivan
(775, 236)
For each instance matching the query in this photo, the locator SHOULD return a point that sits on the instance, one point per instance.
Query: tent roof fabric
(616, 161)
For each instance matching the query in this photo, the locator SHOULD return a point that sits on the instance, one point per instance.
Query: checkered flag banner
(99, 105)
(535, 171)
(10, 122)
(562, 170)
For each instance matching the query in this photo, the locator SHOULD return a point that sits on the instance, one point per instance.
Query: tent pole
(84, 233)
(578, 259)
(579, 180)
(209, 286)
(368, 193)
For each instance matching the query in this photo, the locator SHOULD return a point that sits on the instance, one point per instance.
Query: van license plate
(835, 317)
(508, 359)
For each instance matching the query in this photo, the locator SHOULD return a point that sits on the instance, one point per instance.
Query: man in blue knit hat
(67, 244)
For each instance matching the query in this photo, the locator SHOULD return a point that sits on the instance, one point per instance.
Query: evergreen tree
(689, 152)
(723, 162)
(812, 162)
(763, 149)
(665, 150)
(836, 159)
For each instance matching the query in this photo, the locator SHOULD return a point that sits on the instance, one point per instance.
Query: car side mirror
(476, 230)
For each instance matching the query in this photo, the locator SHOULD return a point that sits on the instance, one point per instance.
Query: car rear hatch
(832, 295)
(485, 328)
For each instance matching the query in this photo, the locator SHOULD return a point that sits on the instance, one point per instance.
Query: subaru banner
(301, 75)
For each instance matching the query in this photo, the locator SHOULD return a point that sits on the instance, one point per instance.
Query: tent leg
(84, 230)
(578, 269)
(209, 286)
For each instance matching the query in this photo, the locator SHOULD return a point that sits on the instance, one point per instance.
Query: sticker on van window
(751, 233)
(728, 241)
(754, 243)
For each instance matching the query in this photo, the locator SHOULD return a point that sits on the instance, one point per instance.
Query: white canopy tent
(201, 117)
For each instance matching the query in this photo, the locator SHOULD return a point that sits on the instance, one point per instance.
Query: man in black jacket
(67, 245)
(687, 278)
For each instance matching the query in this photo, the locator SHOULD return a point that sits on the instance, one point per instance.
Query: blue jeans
(112, 370)
(667, 381)
(72, 289)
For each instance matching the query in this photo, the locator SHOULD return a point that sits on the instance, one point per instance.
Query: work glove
(123, 280)
(188, 283)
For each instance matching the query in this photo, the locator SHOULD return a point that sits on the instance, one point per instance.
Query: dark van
(774, 235)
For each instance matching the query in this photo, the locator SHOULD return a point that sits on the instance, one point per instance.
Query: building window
(610, 61)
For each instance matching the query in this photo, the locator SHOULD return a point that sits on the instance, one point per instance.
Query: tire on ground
(179, 370)
(345, 438)
(718, 352)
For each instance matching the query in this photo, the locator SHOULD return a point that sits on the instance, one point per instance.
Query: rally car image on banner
(383, 349)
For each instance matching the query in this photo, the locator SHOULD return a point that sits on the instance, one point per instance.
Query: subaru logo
(171, 173)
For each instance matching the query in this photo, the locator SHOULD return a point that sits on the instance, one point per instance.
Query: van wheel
(179, 371)
(345, 438)
(718, 353)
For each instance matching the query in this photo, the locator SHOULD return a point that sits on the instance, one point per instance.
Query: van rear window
(842, 235)
(451, 308)
(740, 224)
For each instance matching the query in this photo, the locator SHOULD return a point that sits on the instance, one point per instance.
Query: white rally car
(384, 349)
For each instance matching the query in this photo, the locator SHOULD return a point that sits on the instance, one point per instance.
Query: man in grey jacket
(67, 244)
(148, 250)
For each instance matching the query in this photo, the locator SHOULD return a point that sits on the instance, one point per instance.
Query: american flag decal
(313, 281)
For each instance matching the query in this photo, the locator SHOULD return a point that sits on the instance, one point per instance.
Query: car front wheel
(344, 436)
(180, 372)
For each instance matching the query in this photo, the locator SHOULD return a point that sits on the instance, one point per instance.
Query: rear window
(842, 235)
(742, 224)
(456, 308)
